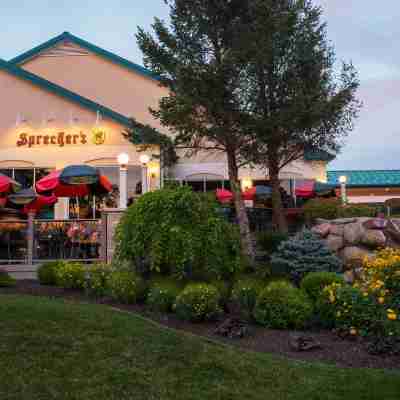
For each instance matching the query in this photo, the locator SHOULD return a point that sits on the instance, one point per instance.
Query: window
(27, 177)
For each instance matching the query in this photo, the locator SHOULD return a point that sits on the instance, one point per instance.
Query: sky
(362, 31)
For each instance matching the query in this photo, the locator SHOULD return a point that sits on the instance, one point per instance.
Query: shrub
(245, 292)
(187, 238)
(282, 306)
(333, 208)
(126, 287)
(6, 280)
(70, 275)
(47, 272)
(162, 294)
(302, 254)
(198, 302)
(314, 282)
(97, 279)
(224, 289)
(270, 241)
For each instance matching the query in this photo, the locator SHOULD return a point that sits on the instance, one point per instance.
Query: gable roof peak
(28, 55)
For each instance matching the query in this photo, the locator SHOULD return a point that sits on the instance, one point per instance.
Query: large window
(27, 177)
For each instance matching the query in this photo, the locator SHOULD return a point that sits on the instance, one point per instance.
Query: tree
(298, 100)
(196, 58)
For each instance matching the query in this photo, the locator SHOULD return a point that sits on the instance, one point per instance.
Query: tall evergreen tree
(196, 58)
(299, 100)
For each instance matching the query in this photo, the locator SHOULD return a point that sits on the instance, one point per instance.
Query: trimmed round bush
(314, 283)
(6, 280)
(187, 239)
(70, 275)
(126, 287)
(245, 293)
(47, 273)
(97, 278)
(282, 306)
(198, 302)
(162, 294)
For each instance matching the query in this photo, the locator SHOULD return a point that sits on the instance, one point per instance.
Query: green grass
(51, 349)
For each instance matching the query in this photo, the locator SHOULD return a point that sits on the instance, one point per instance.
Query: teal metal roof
(88, 46)
(62, 92)
(366, 178)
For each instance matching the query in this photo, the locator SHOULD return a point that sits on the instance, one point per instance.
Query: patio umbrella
(224, 196)
(310, 189)
(261, 192)
(63, 184)
(8, 185)
(40, 202)
(23, 197)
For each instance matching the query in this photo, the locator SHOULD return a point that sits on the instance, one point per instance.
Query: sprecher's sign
(61, 139)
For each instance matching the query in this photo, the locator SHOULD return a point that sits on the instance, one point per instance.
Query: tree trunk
(247, 248)
(278, 216)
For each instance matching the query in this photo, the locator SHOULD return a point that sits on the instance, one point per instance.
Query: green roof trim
(88, 46)
(62, 92)
(366, 178)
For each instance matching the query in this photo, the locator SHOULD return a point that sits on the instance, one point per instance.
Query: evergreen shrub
(47, 272)
(162, 294)
(70, 275)
(126, 287)
(314, 283)
(245, 293)
(6, 280)
(97, 279)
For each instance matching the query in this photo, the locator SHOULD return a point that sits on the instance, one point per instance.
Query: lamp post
(123, 160)
(144, 160)
(343, 180)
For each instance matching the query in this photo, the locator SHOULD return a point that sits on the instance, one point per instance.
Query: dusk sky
(363, 31)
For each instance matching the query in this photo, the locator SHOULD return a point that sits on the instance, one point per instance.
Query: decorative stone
(373, 239)
(301, 342)
(354, 256)
(233, 328)
(334, 243)
(353, 233)
(337, 230)
(393, 230)
(349, 276)
(344, 221)
(322, 230)
(376, 223)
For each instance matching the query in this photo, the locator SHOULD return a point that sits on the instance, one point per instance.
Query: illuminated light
(343, 179)
(123, 159)
(144, 159)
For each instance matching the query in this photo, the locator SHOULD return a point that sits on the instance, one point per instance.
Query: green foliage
(270, 241)
(97, 279)
(245, 292)
(198, 302)
(162, 294)
(47, 273)
(332, 209)
(224, 289)
(126, 287)
(70, 275)
(314, 283)
(302, 254)
(282, 306)
(6, 280)
(177, 231)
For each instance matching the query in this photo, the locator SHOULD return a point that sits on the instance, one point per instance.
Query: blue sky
(362, 31)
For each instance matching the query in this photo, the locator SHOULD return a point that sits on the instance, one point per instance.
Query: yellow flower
(381, 300)
(391, 315)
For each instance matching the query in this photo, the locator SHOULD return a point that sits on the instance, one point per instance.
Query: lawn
(52, 349)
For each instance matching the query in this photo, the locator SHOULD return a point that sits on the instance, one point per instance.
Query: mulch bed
(333, 350)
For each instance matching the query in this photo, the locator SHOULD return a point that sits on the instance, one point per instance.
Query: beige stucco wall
(102, 81)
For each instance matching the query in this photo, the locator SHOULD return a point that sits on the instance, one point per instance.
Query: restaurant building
(68, 102)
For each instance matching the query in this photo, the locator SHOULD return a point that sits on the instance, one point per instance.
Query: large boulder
(337, 230)
(353, 256)
(373, 239)
(322, 230)
(334, 243)
(393, 230)
(353, 233)
(376, 223)
(343, 221)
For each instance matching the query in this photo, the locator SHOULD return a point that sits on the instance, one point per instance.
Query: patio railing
(13, 242)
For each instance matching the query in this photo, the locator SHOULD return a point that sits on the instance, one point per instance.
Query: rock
(334, 243)
(353, 256)
(322, 230)
(344, 221)
(232, 328)
(320, 221)
(352, 233)
(373, 239)
(376, 223)
(349, 276)
(301, 342)
(337, 230)
(393, 230)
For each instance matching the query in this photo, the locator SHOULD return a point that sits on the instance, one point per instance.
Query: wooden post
(30, 238)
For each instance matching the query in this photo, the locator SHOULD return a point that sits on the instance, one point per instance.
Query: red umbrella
(224, 196)
(51, 183)
(8, 185)
(249, 194)
(306, 190)
(40, 202)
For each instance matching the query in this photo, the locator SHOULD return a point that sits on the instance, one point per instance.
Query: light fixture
(144, 159)
(123, 159)
(343, 179)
